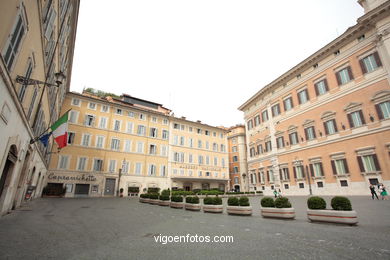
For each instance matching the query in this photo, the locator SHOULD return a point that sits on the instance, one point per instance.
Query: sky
(200, 58)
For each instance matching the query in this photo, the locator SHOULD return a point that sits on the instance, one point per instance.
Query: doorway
(81, 189)
(6, 175)
(109, 188)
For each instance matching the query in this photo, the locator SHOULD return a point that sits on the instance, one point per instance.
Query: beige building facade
(36, 44)
(198, 156)
(323, 127)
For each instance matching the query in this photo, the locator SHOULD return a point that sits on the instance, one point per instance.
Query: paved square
(113, 228)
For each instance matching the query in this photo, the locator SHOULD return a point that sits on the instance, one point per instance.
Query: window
(200, 173)
(286, 186)
(63, 162)
(370, 63)
(27, 75)
(280, 142)
(310, 133)
(356, 119)
(104, 108)
(130, 126)
(97, 165)
(252, 152)
(190, 160)
(152, 170)
(200, 159)
(288, 104)
(182, 141)
(293, 137)
(208, 174)
(71, 137)
(268, 146)
(199, 143)
(368, 163)
(383, 110)
(235, 158)
(284, 174)
(344, 76)
(165, 134)
(223, 162)
(321, 87)
(235, 169)
(14, 40)
(207, 132)
(303, 96)
(115, 144)
(163, 171)
(117, 125)
(165, 121)
(92, 105)
(299, 172)
(271, 176)
(176, 126)
(99, 141)
(264, 115)
(275, 110)
(82, 163)
(127, 147)
(234, 149)
(138, 168)
(141, 130)
(207, 160)
(130, 114)
(118, 111)
(259, 149)
(103, 122)
(142, 116)
(153, 132)
(89, 120)
(140, 147)
(112, 166)
(235, 180)
(301, 185)
(164, 150)
(223, 149)
(250, 124)
(330, 127)
(257, 120)
(199, 131)
(320, 184)
(339, 166)
(125, 167)
(152, 149)
(343, 183)
(86, 139)
(316, 169)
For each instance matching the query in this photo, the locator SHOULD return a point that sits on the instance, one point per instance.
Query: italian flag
(60, 130)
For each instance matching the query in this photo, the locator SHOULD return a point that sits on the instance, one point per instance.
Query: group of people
(381, 189)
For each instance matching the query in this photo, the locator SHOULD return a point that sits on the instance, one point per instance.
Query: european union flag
(45, 139)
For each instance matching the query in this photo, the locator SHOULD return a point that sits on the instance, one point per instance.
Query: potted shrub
(280, 208)
(239, 206)
(177, 202)
(154, 199)
(192, 203)
(164, 200)
(212, 204)
(341, 210)
(144, 198)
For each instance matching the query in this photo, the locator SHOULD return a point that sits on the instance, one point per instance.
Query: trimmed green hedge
(316, 202)
(177, 198)
(244, 202)
(282, 203)
(182, 193)
(212, 201)
(164, 197)
(341, 203)
(153, 190)
(233, 201)
(166, 192)
(145, 195)
(192, 200)
(267, 202)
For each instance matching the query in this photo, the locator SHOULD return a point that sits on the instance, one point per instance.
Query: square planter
(154, 202)
(333, 216)
(144, 200)
(177, 205)
(193, 207)
(238, 210)
(213, 208)
(284, 213)
(164, 203)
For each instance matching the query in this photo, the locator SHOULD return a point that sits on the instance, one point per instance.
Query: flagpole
(33, 140)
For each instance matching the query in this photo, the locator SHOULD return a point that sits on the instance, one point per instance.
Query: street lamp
(305, 170)
(119, 177)
(60, 77)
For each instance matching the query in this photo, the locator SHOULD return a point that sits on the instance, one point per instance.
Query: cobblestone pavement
(113, 228)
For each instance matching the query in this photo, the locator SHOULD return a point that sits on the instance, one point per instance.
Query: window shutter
(307, 94)
(306, 133)
(338, 78)
(346, 165)
(322, 169)
(350, 121)
(377, 59)
(288, 173)
(376, 162)
(283, 142)
(289, 138)
(316, 88)
(273, 112)
(299, 98)
(360, 162)
(333, 167)
(295, 172)
(379, 111)
(350, 73)
(303, 172)
(326, 85)
(280, 174)
(362, 66)
(314, 132)
(335, 125)
(268, 176)
(311, 170)
(326, 129)
(284, 104)
(362, 117)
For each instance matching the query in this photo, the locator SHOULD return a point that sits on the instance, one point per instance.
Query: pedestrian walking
(275, 193)
(373, 192)
(383, 192)
(279, 193)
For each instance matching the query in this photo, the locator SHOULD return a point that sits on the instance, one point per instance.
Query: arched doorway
(237, 188)
(7, 173)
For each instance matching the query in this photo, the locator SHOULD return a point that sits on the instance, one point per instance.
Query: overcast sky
(200, 58)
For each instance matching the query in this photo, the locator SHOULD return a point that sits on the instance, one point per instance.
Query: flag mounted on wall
(60, 131)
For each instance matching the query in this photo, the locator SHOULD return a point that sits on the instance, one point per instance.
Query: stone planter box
(213, 208)
(237, 210)
(144, 200)
(193, 207)
(177, 205)
(333, 216)
(154, 202)
(164, 203)
(284, 213)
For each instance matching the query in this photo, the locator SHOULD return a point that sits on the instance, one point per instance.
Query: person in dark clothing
(373, 192)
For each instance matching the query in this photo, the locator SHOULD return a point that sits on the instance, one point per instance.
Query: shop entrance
(81, 189)
(109, 188)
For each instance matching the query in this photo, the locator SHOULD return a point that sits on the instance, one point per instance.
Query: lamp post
(119, 178)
